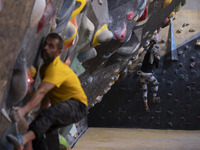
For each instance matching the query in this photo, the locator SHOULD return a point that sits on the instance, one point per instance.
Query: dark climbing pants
(56, 116)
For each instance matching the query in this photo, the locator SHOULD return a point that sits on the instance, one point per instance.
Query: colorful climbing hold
(37, 12)
(178, 7)
(192, 65)
(33, 71)
(179, 30)
(197, 44)
(144, 15)
(121, 34)
(135, 18)
(166, 3)
(172, 14)
(68, 61)
(183, 2)
(30, 80)
(87, 55)
(192, 58)
(104, 36)
(176, 100)
(192, 30)
(86, 32)
(165, 23)
(129, 15)
(186, 24)
(70, 34)
(142, 5)
(47, 16)
(198, 117)
(81, 4)
(187, 106)
(95, 42)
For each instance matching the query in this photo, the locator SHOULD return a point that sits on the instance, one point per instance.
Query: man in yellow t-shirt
(61, 88)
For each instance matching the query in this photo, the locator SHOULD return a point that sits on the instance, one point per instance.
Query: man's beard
(46, 58)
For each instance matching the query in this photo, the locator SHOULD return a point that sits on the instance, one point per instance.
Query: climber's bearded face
(50, 50)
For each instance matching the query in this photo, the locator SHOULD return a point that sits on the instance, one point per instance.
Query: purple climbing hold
(129, 15)
(192, 65)
(121, 34)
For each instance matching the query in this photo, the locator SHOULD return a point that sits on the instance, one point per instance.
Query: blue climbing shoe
(16, 140)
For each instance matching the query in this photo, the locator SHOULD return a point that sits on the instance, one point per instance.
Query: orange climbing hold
(74, 27)
(68, 61)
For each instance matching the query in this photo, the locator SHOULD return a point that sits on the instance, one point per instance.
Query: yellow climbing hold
(178, 8)
(72, 32)
(135, 18)
(95, 42)
(78, 10)
(166, 3)
(32, 71)
(172, 14)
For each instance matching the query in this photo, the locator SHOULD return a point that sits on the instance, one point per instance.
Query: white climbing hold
(37, 12)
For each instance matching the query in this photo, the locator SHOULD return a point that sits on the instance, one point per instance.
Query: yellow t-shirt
(66, 81)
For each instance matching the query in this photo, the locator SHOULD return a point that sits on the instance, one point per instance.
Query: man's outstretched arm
(36, 98)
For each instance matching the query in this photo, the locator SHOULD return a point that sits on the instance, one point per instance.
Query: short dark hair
(56, 36)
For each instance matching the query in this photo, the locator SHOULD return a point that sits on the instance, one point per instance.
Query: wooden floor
(138, 139)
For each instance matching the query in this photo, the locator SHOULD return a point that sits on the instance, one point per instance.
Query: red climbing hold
(121, 34)
(129, 15)
(144, 15)
(30, 80)
(198, 117)
(47, 16)
(68, 61)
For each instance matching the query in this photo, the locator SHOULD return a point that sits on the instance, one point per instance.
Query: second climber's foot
(147, 109)
(16, 141)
